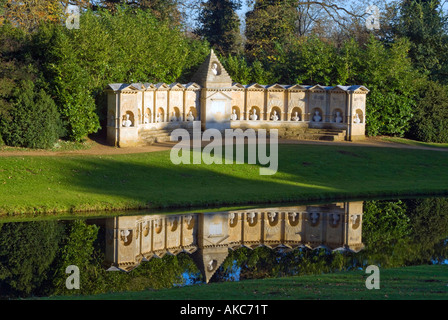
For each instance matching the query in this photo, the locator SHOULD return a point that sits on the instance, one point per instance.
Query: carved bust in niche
(233, 116)
(296, 117)
(127, 122)
(215, 68)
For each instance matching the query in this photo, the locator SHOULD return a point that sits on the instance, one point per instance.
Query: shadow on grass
(304, 173)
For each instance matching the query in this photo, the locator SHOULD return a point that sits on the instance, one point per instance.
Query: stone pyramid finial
(211, 74)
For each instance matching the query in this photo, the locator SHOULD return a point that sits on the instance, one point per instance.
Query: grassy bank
(419, 282)
(305, 172)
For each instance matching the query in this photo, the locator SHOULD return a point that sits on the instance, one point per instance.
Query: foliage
(29, 14)
(430, 121)
(384, 222)
(393, 82)
(33, 121)
(425, 25)
(245, 72)
(26, 253)
(269, 22)
(79, 64)
(220, 25)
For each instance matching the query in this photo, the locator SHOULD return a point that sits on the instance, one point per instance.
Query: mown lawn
(417, 282)
(37, 184)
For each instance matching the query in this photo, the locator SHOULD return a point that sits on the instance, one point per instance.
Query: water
(137, 252)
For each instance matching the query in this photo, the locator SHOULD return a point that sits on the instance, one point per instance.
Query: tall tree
(268, 23)
(220, 25)
(425, 25)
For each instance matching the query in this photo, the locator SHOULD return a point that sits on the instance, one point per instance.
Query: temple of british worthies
(208, 237)
(144, 113)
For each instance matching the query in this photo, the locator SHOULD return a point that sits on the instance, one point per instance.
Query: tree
(26, 252)
(167, 10)
(127, 46)
(425, 25)
(430, 121)
(268, 23)
(220, 25)
(33, 121)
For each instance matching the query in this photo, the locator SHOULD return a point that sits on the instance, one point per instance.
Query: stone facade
(208, 237)
(143, 113)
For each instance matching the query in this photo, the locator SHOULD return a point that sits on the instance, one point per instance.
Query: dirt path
(99, 147)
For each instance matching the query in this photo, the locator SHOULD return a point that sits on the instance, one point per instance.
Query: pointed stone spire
(211, 74)
(208, 260)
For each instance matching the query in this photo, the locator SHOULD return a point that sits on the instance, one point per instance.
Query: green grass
(38, 184)
(419, 282)
(415, 143)
(60, 146)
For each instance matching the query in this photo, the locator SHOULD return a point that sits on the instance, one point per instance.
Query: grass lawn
(415, 143)
(419, 282)
(38, 184)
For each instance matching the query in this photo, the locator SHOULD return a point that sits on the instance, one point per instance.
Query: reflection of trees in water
(26, 252)
(395, 233)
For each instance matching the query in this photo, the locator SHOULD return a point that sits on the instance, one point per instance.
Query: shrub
(33, 121)
(128, 46)
(430, 121)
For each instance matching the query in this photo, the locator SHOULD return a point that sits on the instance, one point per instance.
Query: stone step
(316, 137)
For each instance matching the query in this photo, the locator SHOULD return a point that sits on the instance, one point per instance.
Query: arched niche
(146, 228)
(128, 119)
(126, 236)
(192, 114)
(293, 218)
(160, 115)
(233, 219)
(254, 113)
(317, 115)
(252, 218)
(175, 114)
(338, 116)
(147, 116)
(358, 116)
(355, 220)
(273, 218)
(158, 226)
(236, 113)
(189, 222)
(296, 114)
(314, 218)
(275, 114)
(334, 220)
(173, 223)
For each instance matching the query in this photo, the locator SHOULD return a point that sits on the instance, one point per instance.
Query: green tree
(220, 25)
(26, 252)
(127, 46)
(430, 121)
(425, 25)
(33, 121)
(268, 23)
(393, 84)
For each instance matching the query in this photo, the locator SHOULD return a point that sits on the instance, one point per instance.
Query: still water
(137, 252)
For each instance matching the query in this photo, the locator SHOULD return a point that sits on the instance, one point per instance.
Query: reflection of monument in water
(208, 236)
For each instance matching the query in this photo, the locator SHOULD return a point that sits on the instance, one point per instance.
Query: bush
(430, 121)
(127, 46)
(33, 121)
